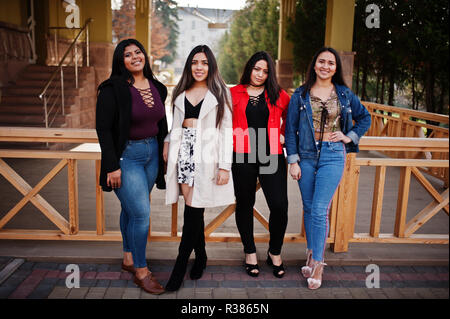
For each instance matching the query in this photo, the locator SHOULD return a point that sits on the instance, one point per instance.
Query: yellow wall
(14, 11)
(99, 10)
(339, 29)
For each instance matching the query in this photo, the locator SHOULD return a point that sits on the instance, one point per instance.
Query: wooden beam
(429, 188)
(425, 214)
(30, 194)
(220, 219)
(377, 202)
(402, 202)
(72, 172)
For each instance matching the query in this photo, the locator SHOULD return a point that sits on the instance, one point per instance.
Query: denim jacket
(299, 139)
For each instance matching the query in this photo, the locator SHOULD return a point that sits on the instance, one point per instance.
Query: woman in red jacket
(259, 113)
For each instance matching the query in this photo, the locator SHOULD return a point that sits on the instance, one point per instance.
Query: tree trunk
(378, 86)
(413, 86)
(391, 87)
(357, 75)
(382, 88)
(364, 80)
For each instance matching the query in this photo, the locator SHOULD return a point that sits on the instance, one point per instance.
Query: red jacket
(240, 99)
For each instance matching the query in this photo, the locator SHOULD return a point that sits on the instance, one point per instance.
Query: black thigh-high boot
(191, 230)
(200, 251)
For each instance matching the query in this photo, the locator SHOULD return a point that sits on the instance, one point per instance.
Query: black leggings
(274, 187)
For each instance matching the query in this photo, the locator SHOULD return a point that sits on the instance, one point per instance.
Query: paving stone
(168, 295)
(256, 293)
(233, 284)
(207, 284)
(131, 293)
(77, 293)
(59, 293)
(221, 293)
(359, 293)
(96, 293)
(238, 293)
(185, 293)
(114, 292)
(203, 293)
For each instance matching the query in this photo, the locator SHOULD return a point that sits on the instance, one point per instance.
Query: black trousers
(274, 186)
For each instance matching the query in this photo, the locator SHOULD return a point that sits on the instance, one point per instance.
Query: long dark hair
(214, 81)
(118, 67)
(271, 84)
(311, 76)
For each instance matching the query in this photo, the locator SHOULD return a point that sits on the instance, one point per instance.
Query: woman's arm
(105, 118)
(291, 137)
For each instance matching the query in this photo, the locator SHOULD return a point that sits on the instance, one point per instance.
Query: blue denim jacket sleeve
(292, 126)
(361, 117)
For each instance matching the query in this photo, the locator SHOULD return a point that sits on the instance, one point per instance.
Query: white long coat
(213, 149)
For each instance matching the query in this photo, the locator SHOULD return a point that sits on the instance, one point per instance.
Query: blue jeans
(139, 166)
(318, 183)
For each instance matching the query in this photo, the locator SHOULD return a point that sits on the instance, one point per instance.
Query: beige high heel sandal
(306, 270)
(314, 283)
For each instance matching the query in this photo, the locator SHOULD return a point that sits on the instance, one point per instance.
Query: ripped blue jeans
(318, 183)
(139, 166)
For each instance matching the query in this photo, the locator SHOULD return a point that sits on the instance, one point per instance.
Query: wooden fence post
(347, 198)
(72, 171)
(100, 207)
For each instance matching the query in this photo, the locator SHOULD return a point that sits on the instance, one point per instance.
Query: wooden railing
(393, 121)
(342, 215)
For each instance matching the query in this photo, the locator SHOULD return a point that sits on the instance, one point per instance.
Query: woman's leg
(328, 176)
(139, 168)
(274, 187)
(191, 229)
(244, 180)
(306, 184)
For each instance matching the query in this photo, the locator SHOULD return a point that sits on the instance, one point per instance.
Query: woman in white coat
(199, 151)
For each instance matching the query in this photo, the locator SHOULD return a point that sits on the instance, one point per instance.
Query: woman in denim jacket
(319, 134)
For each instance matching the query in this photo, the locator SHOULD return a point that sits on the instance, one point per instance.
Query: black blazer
(113, 117)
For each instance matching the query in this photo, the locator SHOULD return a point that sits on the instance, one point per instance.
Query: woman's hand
(113, 179)
(166, 151)
(295, 171)
(223, 177)
(338, 136)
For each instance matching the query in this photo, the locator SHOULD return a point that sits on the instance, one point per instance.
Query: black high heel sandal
(249, 268)
(276, 269)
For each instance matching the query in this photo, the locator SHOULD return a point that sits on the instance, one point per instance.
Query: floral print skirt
(186, 163)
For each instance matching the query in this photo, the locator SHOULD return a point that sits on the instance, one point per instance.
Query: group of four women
(219, 145)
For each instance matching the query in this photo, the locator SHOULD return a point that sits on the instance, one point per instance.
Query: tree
(167, 12)
(254, 28)
(164, 28)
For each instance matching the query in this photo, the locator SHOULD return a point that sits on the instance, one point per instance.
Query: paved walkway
(406, 270)
(40, 280)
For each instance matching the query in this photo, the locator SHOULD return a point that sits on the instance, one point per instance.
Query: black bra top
(191, 111)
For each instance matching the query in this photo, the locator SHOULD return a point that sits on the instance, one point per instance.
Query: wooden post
(402, 202)
(346, 208)
(174, 228)
(100, 207)
(377, 202)
(72, 171)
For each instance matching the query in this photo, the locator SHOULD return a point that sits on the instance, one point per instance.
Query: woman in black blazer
(131, 126)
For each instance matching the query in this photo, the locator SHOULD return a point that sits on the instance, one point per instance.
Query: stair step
(31, 100)
(29, 120)
(32, 109)
(33, 91)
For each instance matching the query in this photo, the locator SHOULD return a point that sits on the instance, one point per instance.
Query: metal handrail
(59, 68)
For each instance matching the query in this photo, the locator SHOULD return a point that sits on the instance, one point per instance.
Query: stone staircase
(21, 106)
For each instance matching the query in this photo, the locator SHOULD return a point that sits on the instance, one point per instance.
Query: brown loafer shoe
(149, 284)
(129, 268)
